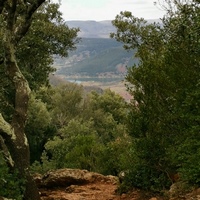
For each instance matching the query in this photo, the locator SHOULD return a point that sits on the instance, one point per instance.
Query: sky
(99, 10)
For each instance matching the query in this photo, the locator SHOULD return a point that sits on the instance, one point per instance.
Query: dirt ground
(77, 184)
(118, 88)
(93, 191)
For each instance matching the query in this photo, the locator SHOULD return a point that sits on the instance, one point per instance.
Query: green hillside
(95, 56)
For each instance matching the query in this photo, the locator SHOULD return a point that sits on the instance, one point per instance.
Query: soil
(93, 191)
(76, 184)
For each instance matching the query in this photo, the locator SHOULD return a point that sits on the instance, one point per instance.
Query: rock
(67, 177)
(122, 175)
(174, 190)
(178, 188)
(64, 177)
(71, 188)
(123, 196)
(196, 192)
(112, 179)
(38, 179)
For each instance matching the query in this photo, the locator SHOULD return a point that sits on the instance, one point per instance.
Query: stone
(38, 179)
(196, 191)
(66, 177)
(177, 189)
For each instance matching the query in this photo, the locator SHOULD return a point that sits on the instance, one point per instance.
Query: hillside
(93, 29)
(96, 57)
(96, 29)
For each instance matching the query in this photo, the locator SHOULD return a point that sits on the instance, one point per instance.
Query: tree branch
(10, 13)
(2, 2)
(28, 13)
(1, 60)
(6, 153)
(6, 128)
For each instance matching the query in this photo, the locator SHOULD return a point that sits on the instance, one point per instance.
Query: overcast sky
(107, 9)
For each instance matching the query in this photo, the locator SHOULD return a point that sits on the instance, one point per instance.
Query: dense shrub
(10, 184)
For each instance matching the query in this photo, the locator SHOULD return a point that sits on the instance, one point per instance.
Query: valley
(98, 60)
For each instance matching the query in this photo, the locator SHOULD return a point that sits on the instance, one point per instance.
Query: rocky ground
(75, 184)
(90, 191)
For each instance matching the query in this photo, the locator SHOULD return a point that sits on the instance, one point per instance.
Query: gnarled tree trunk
(14, 135)
(17, 17)
(18, 145)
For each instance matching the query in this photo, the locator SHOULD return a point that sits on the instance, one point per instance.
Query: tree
(161, 85)
(112, 103)
(66, 103)
(108, 111)
(38, 127)
(76, 147)
(183, 51)
(20, 23)
(93, 132)
(51, 108)
(9, 181)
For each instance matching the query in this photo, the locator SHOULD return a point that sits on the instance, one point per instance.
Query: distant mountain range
(93, 29)
(97, 55)
(96, 29)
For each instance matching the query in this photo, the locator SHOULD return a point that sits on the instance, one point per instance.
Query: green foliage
(10, 184)
(116, 156)
(109, 113)
(48, 36)
(188, 154)
(38, 115)
(49, 109)
(111, 103)
(93, 130)
(31, 33)
(66, 102)
(44, 165)
(164, 113)
(38, 127)
(79, 147)
(146, 178)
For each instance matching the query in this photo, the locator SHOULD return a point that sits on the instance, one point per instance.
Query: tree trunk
(16, 18)
(15, 138)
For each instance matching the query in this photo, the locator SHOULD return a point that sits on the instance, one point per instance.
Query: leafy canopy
(164, 114)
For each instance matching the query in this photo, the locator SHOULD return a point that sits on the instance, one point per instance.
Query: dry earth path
(75, 184)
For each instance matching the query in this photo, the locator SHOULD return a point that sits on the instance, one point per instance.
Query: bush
(144, 177)
(188, 156)
(44, 165)
(10, 184)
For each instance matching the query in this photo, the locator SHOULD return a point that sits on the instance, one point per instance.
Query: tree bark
(6, 153)
(13, 138)
(16, 140)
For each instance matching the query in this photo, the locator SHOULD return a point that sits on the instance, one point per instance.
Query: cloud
(108, 9)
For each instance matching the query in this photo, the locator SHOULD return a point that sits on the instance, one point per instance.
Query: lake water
(95, 79)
